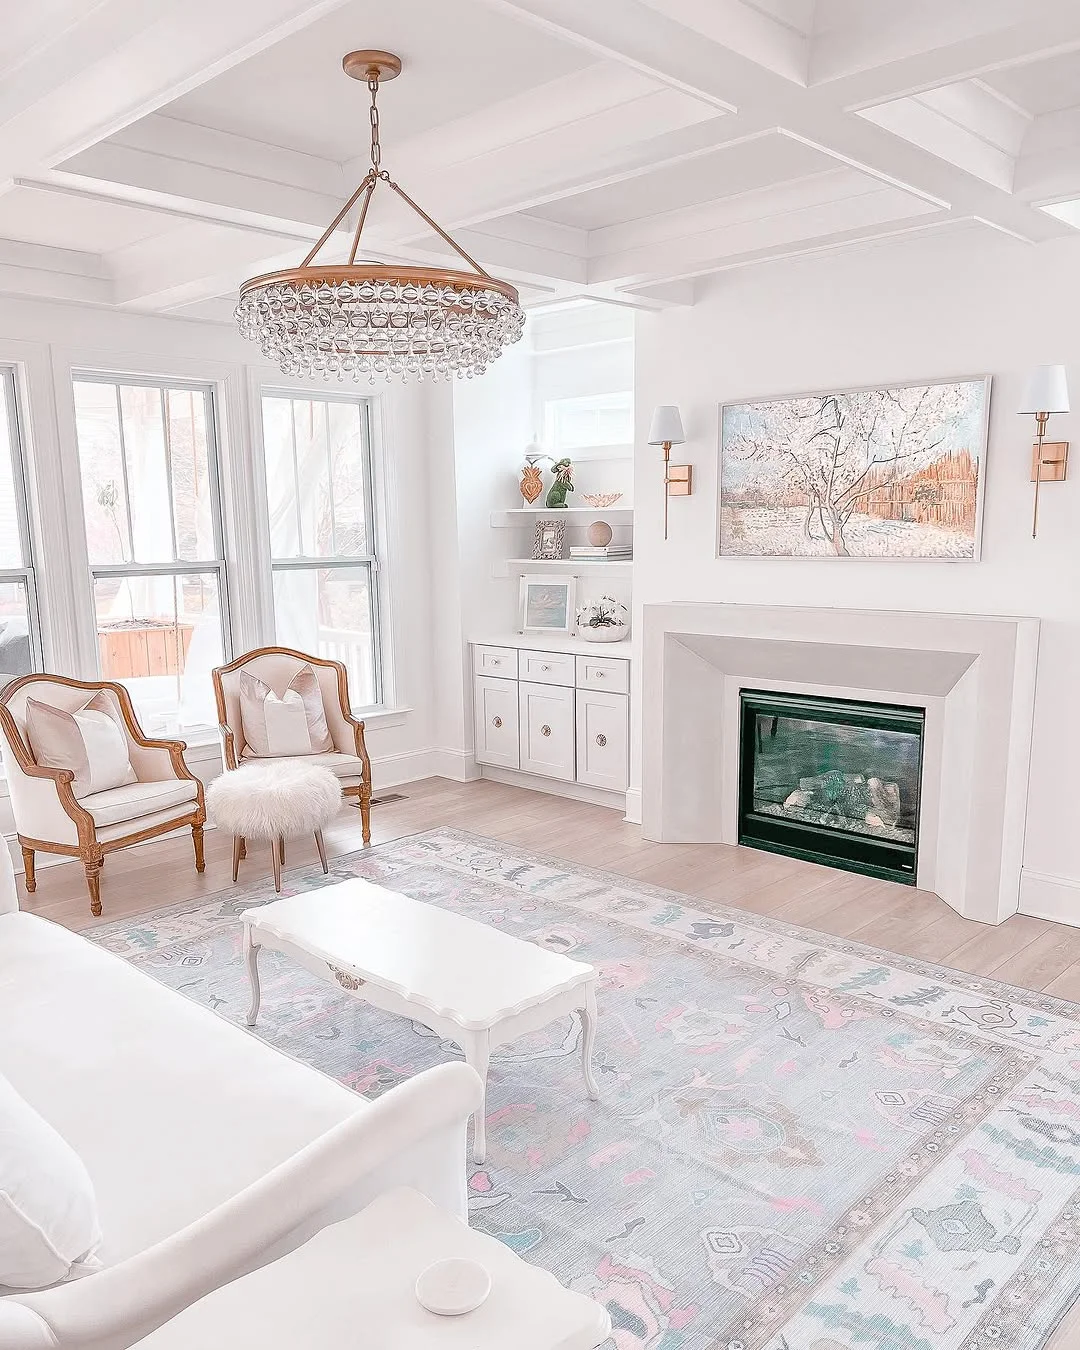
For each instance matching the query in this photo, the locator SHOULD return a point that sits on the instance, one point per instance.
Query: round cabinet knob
(545, 667)
(601, 740)
(599, 674)
(496, 660)
(496, 722)
(545, 730)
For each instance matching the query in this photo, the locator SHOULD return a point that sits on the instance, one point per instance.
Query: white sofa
(211, 1154)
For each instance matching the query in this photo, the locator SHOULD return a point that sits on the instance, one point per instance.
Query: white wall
(45, 340)
(969, 303)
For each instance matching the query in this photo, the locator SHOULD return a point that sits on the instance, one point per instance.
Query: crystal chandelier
(364, 318)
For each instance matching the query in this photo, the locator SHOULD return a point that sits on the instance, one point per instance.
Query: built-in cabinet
(558, 714)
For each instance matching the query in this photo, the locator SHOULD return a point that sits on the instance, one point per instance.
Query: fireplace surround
(973, 677)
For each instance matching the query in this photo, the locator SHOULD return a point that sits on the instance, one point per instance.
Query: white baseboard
(458, 765)
(555, 787)
(633, 806)
(406, 767)
(1048, 897)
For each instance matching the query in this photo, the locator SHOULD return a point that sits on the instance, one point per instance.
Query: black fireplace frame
(866, 854)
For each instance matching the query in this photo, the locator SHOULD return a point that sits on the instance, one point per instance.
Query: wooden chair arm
(361, 744)
(228, 745)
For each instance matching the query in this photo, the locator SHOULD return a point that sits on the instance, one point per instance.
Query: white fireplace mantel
(973, 674)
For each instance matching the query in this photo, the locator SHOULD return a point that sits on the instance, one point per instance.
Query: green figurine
(562, 485)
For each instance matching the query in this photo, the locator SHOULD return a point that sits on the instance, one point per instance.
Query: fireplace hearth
(833, 781)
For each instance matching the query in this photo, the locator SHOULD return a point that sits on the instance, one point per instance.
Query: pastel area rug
(801, 1144)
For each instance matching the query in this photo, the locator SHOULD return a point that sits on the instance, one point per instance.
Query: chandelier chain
(376, 148)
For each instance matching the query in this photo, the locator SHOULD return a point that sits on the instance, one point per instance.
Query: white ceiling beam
(768, 37)
(123, 59)
(53, 273)
(863, 206)
(193, 262)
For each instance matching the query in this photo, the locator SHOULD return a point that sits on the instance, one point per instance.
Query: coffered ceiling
(152, 156)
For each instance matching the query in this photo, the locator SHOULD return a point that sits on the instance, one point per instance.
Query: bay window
(321, 508)
(19, 647)
(151, 506)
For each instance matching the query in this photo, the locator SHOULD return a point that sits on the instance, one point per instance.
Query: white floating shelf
(523, 516)
(509, 565)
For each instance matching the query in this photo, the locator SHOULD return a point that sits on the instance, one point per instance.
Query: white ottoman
(273, 800)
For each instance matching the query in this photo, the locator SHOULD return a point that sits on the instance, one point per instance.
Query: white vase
(609, 633)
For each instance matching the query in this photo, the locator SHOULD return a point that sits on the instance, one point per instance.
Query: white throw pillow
(294, 724)
(49, 1227)
(89, 740)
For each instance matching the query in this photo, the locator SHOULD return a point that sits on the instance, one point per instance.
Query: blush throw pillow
(89, 740)
(49, 1227)
(294, 724)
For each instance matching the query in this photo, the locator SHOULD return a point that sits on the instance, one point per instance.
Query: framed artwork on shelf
(549, 542)
(547, 604)
(888, 472)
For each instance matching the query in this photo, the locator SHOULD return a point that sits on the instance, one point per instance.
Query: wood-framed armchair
(276, 667)
(49, 818)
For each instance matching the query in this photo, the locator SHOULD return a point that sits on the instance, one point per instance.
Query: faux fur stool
(270, 801)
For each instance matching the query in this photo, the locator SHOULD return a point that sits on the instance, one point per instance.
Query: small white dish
(453, 1286)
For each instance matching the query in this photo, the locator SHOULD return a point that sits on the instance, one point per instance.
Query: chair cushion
(89, 740)
(135, 800)
(344, 766)
(49, 1227)
(292, 725)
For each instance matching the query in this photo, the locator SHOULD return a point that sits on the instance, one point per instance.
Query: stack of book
(604, 553)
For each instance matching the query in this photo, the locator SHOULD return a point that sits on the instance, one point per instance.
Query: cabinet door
(603, 726)
(547, 730)
(495, 706)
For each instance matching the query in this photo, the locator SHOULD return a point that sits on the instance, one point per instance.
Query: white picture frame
(547, 604)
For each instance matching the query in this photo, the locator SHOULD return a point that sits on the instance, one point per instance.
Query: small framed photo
(547, 604)
(549, 542)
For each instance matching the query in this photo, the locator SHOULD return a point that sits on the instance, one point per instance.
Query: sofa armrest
(117, 1307)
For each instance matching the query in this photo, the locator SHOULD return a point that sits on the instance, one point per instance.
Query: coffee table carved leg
(588, 1039)
(477, 1047)
(322, 851)
(237, 854)
(251, 957)
(277, 864)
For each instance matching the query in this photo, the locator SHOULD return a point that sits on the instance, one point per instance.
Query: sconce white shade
(1046, 391)
(666, 425)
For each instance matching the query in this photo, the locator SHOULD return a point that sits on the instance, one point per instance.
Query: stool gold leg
(277, 865)
(322, 851)
(281, 848)
(237, 845)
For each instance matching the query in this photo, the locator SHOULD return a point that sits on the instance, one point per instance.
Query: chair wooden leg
(322, 851)
(281, 848)
(237, 845)
(92, 867)
(197, 840)
(277, 864)
(30, 875)
(365, 813)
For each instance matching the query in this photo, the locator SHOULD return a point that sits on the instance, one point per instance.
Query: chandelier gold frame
(379, 318)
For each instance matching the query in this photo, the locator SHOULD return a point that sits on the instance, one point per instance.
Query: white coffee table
(466, 981)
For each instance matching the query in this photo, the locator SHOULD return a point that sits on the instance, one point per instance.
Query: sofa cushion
(172, 1108)
(49, 1227)
(134, 800)
(88, 740)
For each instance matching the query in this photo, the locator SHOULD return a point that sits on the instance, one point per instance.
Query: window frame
(177, 567)
(27, 573)
(306, 562)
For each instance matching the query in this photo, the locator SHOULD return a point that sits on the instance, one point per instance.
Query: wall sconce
(1046, 392)
(667, 430)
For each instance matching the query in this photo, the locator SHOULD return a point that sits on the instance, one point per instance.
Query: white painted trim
(1044, 896)
(555, 787)
(633, 806)
(458, 765)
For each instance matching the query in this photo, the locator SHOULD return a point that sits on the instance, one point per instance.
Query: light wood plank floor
(1022, 951)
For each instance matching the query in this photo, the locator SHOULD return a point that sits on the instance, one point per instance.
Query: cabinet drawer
(546, 667)
(501, 661)
(603, 672)
(495, 712)
(546, 715)
(603, 728)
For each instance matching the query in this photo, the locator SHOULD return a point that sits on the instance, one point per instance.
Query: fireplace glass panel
(832, 780)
